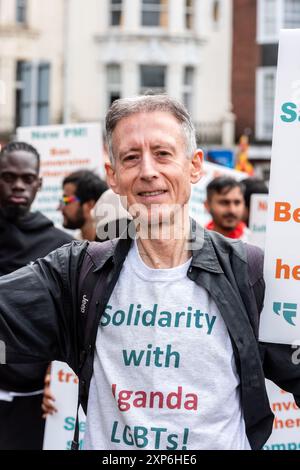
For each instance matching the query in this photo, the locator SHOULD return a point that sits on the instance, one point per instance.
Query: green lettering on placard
(289, 114)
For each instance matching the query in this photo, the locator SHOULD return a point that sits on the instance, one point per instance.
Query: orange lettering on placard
(288, 423)
(285, 271)
(262, 206)
(281, 212)
(67, 377)
(54, 152)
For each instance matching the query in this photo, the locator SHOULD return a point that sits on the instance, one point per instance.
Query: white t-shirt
(164, 370)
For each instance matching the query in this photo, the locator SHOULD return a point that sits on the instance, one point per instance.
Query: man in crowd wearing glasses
(81, 191)
(24, 237)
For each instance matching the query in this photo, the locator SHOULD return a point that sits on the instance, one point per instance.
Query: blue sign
(221, 157)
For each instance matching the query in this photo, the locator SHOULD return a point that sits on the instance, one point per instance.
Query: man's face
(226, 208)
(151, 165)
(73, 214)
(19, 183)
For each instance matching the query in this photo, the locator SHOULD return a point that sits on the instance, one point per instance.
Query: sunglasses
(65, 200)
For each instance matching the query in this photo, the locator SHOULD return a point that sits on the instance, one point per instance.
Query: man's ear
(207, 205)
(197, 166)
(111, 177)
(40, 183)
(87, 207)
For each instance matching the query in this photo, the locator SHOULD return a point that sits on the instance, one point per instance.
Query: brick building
(256, 25)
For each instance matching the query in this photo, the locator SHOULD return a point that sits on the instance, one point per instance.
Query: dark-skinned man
(24, 237)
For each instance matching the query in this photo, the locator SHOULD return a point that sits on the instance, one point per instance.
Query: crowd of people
(153, 162)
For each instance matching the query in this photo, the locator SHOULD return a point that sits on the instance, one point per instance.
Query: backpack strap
(255, 258)
(95, 288)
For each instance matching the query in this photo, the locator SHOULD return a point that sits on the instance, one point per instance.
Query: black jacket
(40, 317)
(22, 241)
(26, 239)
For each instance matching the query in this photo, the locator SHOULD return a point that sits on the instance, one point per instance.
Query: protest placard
(280, 319)
(258, 219)
(63, 149)
(286, 427)
(59, 429)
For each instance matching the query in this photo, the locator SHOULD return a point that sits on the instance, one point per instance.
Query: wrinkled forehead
(156, 126)
(19, 161)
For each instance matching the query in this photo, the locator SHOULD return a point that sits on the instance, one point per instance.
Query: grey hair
(125, 107)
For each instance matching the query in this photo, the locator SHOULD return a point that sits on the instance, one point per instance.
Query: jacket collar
(203, 252)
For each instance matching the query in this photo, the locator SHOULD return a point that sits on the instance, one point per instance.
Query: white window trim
(113, 87)
(114, 8)
(262, 38)
(259, 110)
(153, 8)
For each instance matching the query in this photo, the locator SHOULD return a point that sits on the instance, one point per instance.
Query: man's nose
(60, 207)
(233, 208)
(148, 169)
(18, 184)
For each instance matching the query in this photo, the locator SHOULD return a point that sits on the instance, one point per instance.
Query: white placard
(280, 319)
(63, 149)
(59, 429)
(258, 219)
(286, 427)
(198, 195)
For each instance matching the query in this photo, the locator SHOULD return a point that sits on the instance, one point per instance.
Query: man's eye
(129, 158)
(8, 177)
(29, 179)
(163, 153)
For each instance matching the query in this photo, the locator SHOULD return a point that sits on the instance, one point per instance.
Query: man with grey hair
(169, 358)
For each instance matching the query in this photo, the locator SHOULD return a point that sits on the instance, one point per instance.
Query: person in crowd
(82, 194)
(24, 237)
(161, 326)
(81, 191)
(252, 186)
(226, 204)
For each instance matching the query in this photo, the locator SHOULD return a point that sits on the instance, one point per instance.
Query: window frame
(156, 90)
(262, 36)
(162, 9)
(114, 8)
(188, 88)
(21, 11)
(113, 87)
(261, 73)
(189, 11)
(28, 98)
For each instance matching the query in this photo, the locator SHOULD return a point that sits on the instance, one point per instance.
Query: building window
(113, 83)
(265, 99)
(32, 94)
(274, 15)
(188, 88)
(155, 13)
(189, 13)
(152, 78)
(43, 94)
(292, 14)
(216, 12)
(21, 11)
(115, 12)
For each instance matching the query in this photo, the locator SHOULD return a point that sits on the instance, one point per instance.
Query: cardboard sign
(198, 195)
(258, 219)
(280, 319)
(59, 429)
(63, 149)
(286, 427)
